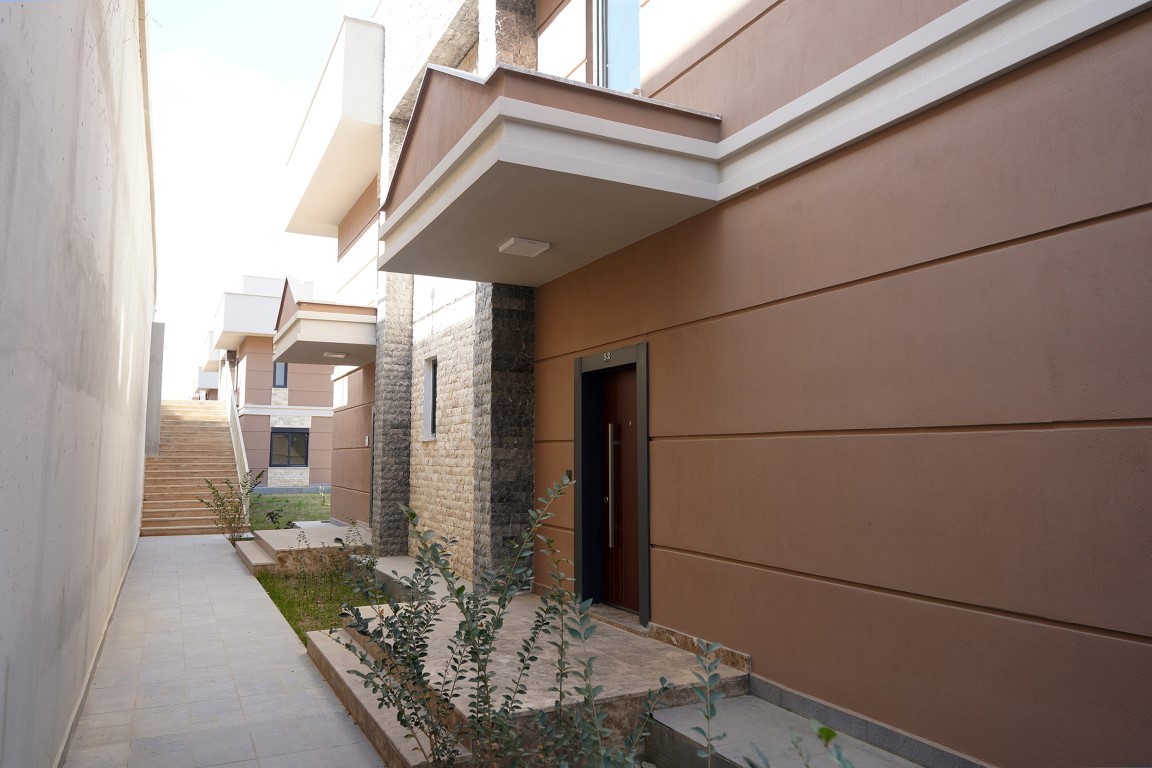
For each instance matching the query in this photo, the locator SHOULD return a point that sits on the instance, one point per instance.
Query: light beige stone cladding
(287, 477)
(284, 421)
(279, 396)
(442, 469)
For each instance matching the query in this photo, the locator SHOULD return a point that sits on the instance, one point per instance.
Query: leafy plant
(575, 728)
(462, 702)
(825, 736)
(706, 690)
(230, 505)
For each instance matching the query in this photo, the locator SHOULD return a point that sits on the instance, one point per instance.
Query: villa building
(284, 410)
(837, 312)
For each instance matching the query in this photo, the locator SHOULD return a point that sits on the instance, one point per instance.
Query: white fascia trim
(971, 44)
(284, 410)
(450, 179)
(533, 135)
(336, 317)
(965, 47)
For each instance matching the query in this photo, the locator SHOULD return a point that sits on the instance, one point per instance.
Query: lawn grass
(292, 507)
(309, 601)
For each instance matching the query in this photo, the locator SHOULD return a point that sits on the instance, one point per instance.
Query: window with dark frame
(429, 430)
(288, 448)
(280, 375)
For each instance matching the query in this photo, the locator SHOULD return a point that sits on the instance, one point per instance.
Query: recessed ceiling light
(522, 246)
(336, 355)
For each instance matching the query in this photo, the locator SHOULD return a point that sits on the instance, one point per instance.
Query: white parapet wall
(77, 288)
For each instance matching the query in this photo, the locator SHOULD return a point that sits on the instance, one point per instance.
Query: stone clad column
(507, 34)
(504, 407)
(392, 419)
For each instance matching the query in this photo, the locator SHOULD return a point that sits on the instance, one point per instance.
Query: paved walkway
(200, 669)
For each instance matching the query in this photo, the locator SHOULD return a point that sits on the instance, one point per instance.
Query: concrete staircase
(195, 445)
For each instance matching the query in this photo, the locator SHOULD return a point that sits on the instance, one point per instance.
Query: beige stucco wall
(442, 469)
(76, 298)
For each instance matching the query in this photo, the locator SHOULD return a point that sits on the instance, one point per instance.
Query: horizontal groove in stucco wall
(1087, 629)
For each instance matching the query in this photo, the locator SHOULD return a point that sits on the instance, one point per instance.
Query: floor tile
(199, 669)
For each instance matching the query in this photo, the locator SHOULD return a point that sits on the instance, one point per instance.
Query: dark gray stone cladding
(392, 421)
(504, 406)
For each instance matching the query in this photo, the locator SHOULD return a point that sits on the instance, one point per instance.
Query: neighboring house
(284, 410)
(80, 351)
(207, 383)
(842, 327)
(456, 403)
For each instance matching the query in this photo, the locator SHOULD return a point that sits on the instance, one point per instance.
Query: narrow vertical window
(429, 399)
(616, 44)
(280, 375)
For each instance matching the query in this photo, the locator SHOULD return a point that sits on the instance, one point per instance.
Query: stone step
(148, 521)
(198, 440)
(185, 510)
(379, 725)
(169, 467)
(185, 501)
(180, 530)
(627, 668)
(170, 496)
(749, 723)
(191, 483)
(254, 557)
(198, 487)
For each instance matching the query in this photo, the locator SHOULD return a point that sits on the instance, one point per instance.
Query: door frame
(588, 488)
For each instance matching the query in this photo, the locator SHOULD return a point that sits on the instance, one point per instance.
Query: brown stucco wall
(255, 362)
(810, 43)
(257, 434)
(900, 404)
(351, 456)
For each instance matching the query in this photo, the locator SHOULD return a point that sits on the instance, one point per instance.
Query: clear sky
(230, 81)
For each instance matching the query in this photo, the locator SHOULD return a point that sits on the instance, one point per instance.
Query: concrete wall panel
(350, 427)
(1050, 330)
(974, 172)
(899, 402)
(552, 461)
(352, 469)
(305, 398)
(943, 672)
(77, 289)
(811, 42)
(554, 413)
(990, 518)
(350, 506)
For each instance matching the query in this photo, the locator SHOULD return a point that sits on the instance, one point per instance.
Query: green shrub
(230, 505)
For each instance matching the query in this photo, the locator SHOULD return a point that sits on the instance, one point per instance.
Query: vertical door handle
(611, 486)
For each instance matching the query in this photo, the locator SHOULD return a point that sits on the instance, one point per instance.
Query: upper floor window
(616, 44)
(280, 375)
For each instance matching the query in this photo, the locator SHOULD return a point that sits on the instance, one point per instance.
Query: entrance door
(619, 518)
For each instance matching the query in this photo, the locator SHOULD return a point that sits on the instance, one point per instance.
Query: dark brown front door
(619, 519)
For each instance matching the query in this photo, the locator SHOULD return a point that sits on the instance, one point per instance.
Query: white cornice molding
(284, 410)
(968, 46)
